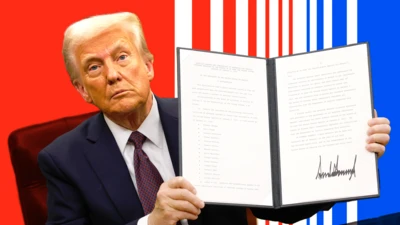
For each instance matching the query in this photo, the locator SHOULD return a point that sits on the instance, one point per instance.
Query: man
(120, 166)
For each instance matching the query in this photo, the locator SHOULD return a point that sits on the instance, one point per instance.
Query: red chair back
(24, 145)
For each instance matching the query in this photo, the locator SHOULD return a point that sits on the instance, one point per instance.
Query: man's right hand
(176, 200)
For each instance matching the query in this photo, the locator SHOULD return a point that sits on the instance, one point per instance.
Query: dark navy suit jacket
(89, 183)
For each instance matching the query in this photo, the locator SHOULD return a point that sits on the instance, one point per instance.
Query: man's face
(113, 74)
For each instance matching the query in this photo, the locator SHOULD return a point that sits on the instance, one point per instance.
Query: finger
(379, 129)
(184, 206)
(180, 182)
(377, 148)
(379, 138)
(375, 113)
(180, 215)
(185, 195)
(169, 216)
(378, 120)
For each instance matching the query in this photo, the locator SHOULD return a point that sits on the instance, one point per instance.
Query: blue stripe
(339, 213)
(320, 24)
(339, 23)
(308, 25)
(320, 218)
(378, 24)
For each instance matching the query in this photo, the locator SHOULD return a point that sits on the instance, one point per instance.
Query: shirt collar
(151, 128)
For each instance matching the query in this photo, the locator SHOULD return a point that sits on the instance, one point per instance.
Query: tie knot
(137, 139)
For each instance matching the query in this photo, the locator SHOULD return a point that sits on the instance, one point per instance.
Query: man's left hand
(378, 134)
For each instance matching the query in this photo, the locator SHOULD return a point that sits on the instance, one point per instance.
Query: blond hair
(90, 27)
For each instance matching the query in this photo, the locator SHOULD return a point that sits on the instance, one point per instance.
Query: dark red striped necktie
(148, 179)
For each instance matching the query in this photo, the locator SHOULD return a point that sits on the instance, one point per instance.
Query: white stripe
(217, 25)
(242, 27)
(313, 25)
(285, 27)
(328, 44)
(352, 212)
(183, 29)
(273, 28)
(261, 28)
(301, 222)
(273, 223)
(352, 22)
(352, 37)
(299, 26)
(260, 222)
(313, 220)
(327, 24)
(328, 217)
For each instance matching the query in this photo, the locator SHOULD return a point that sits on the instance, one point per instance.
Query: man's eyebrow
(114, 48)
(90, 58)
(118, 46)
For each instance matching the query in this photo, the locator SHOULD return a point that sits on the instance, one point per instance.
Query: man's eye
(123, 57)
(95, 67)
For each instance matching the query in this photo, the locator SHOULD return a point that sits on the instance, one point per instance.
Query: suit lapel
(109, 165)
(168, 110)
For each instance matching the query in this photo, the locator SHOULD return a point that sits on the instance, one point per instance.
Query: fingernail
(368, 139)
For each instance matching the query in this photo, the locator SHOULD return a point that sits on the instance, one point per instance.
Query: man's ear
(82, 91)
(150, 70)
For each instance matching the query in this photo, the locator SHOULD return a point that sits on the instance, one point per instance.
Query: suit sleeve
(64, 204)
(290, 215)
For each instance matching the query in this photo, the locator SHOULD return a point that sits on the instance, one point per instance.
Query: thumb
(376, 114)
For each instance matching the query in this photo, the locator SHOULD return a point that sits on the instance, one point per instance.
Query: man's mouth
(119, 92)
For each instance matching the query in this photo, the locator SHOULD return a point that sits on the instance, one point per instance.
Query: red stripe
(252, 28)
(267, 29)
(290, 27)
(201, 24)
(230, 27)
(266, 222)
(280, 29)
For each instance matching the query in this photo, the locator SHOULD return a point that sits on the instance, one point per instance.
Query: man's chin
(127, 108)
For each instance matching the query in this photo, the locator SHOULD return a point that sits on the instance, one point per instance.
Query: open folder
(277, 132)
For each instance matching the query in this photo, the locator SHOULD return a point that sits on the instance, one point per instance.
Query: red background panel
(35, 87)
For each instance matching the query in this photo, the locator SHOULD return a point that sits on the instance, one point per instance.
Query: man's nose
(113, 73)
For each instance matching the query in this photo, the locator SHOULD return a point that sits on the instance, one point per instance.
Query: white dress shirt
(155, 146)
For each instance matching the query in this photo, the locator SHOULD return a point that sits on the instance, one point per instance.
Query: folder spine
(274, 133)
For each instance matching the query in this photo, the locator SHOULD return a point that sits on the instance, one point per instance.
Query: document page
(324, 103)
(225, 146)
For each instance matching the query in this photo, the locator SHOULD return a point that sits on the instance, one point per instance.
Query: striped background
(35, 87)
(271, 28)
